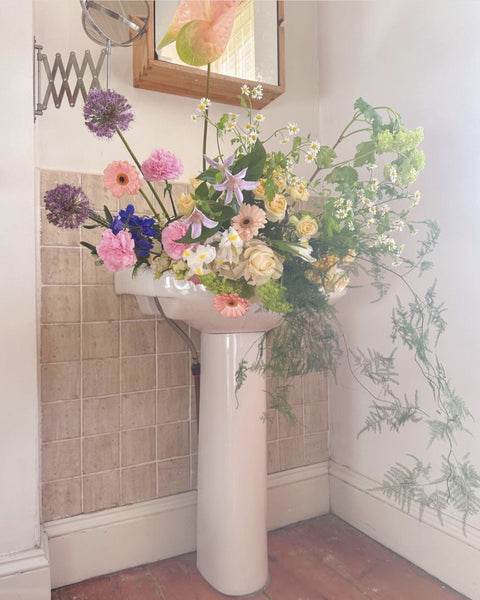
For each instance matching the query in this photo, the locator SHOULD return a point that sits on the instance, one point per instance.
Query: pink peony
(231, 305)
(174, 231)
(120, 177)
(116, 251)
(162, 164)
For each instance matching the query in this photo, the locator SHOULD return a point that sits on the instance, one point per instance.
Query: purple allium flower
(105, 111)
(235, 184)
(67, 206)
(160, 165)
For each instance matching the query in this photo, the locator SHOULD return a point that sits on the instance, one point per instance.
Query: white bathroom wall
(24, 572)
(421, 57)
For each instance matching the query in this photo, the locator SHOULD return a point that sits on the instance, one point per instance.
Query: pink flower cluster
(161, 165)
(117, 251)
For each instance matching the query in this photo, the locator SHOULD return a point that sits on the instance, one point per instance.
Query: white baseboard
(25, 575)
(86, 546)
(441, 550)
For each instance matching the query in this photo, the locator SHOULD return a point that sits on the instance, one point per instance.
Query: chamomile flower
(371, 166)
(391, 244)
(348, 205)
(257, 92)
(342, 213)
(398, 225)
(396, 262)
(293, 129)
(194, 117)
(252, 137)
(374, 185)
(230, 125)
(384, 209)
(372, 209)
(310, 157)
(416, 198)
(370, 222)
(383, 239)
(259, 118)
(367, 202)
(284, 141)
(314, 147)
(393, 174)
(245, 90)
(351, 226)
(338, 202)
(203, 105)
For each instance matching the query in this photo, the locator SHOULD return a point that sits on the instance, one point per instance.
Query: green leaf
(368, 112)
(365, 154)
(254, 161)
(325, 157)
(344, 174)
(108, 214)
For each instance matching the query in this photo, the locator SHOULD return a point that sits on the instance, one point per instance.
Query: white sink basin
(193, 304)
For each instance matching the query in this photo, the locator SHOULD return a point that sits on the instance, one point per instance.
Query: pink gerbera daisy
(249, 220)
(231, 305)
(120, 177)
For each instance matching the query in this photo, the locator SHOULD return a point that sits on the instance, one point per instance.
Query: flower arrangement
(259, 237)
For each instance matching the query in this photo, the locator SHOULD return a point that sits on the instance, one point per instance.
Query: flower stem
(205, 122)
(135, 159)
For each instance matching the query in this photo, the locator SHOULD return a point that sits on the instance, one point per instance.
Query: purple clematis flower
(235, 184)
(228, 162)
(196, 220)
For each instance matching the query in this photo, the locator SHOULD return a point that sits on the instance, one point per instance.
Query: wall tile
(50, 179)
(60, 265)
(173, 476)
(172, 440)
(101, 453)
(100, 303)
(138, 410)
(316, 417)
(138, 446)
(291, 453)
(272, 424)
(295, 394)
(173, 404)
(315, 387)
(287, 428)
(173, 370)
(60, 459)
(138, 373)
(168, 340)
(138, 337)
(61, 499)
(60, 381)
(60, 304)
(92, 185)
(101, 415)
(316, 447)
(59, 343)
(101, 491)
(51, 235)
(129, 308)
(101, 377)
(138, 483)
(101, 340)
(92, 273)
(60, 420)
(273, 457)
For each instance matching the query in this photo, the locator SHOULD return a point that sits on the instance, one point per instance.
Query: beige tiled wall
(118, 411)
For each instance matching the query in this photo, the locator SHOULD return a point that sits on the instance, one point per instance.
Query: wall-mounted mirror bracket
(63, 80)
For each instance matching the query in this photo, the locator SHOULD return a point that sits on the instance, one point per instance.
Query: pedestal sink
(232, 471)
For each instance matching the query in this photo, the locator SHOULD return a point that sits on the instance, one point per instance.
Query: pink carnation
(162, 164)
(174, 231)
(116, 251)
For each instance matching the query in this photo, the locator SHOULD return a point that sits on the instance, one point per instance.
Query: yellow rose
(276, 208)
(259, 191)
(194, 182)
(185, 204)
(299, 192)
(279, 179)
(306, 227)
(262, 264)
(325, 263)
(335, 281)
(350, 257)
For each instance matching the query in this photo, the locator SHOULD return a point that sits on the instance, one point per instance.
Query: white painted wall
(421, 58)
(19, 471)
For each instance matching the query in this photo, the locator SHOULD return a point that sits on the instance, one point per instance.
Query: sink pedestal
(232, 466)
(232, 469)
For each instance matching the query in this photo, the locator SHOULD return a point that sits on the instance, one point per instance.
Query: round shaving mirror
(115, 22)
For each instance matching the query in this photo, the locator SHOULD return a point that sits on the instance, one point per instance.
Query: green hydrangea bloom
(401, 141)
(272, 296)
(220, 285)
(408, 166)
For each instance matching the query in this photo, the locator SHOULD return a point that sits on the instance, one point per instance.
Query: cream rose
(185, 204)
(276, 208)
(305, 227)
(262, 264)
(259, 191)
(299, 192)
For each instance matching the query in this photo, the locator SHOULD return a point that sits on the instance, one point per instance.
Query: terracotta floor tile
(320, 559)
